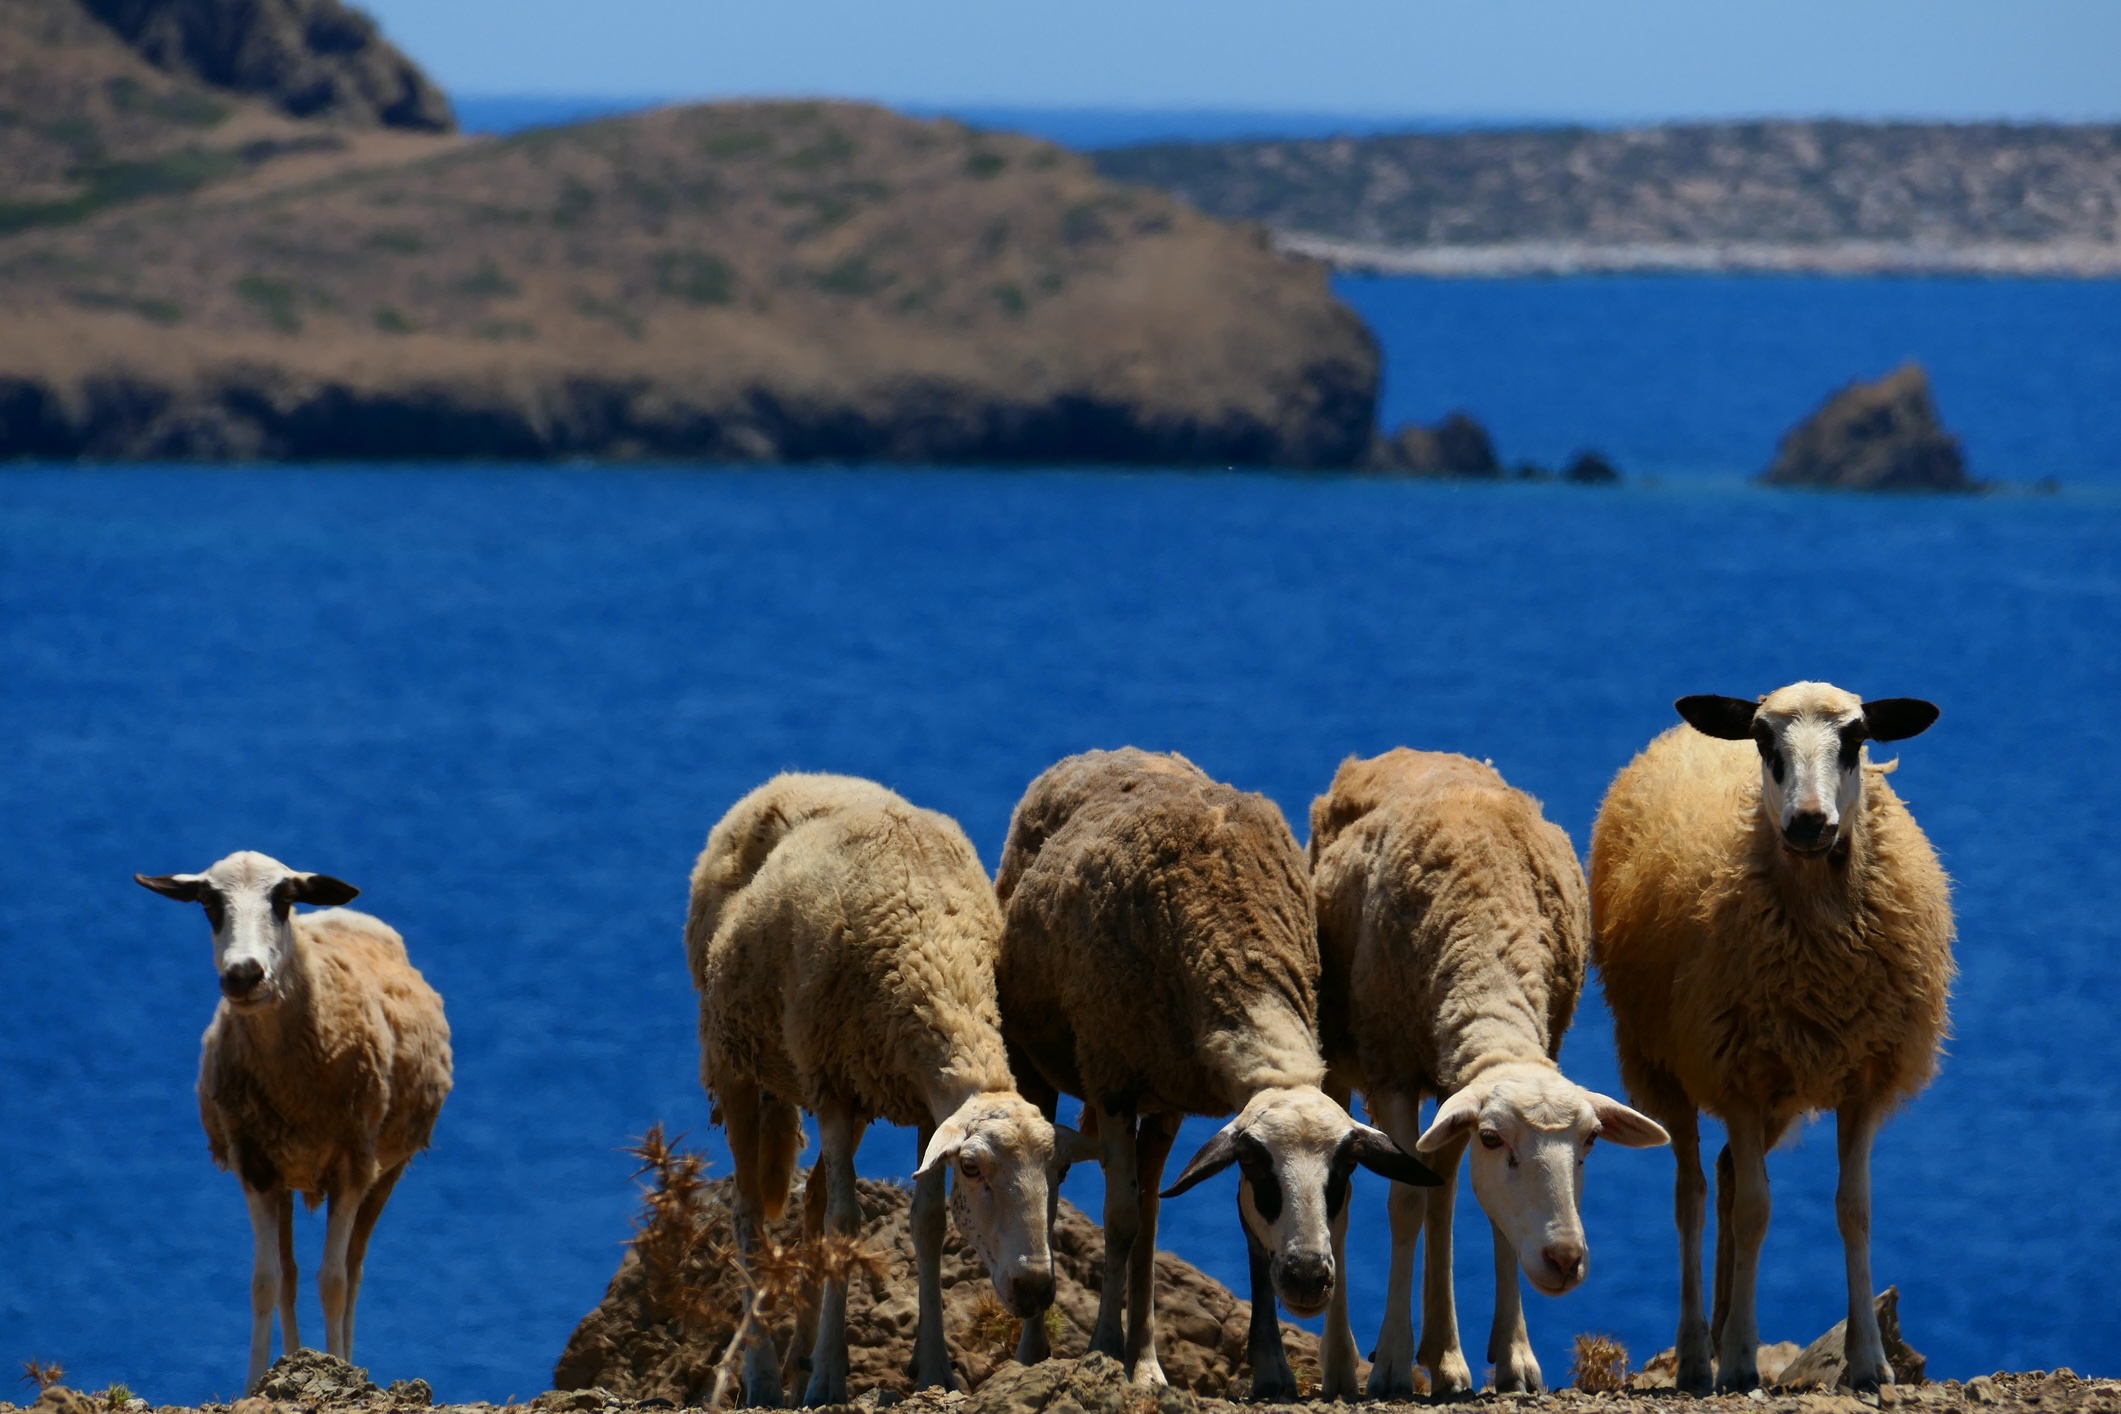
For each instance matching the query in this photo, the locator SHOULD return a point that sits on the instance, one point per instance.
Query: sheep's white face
(1531, 1129)
(1006, 1158)
(249, 900)
(1811, 739)
(1297, 1151)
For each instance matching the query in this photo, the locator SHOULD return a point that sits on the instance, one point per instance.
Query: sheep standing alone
(1160, 960)
(843, 944)
(1453, 932)
(322, 1073)
(1774, 935)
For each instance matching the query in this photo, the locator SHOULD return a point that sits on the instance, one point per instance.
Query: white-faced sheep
(1453, 933)
(1774, 935)
(323, 1071)
(1160, 959)
(843, 944)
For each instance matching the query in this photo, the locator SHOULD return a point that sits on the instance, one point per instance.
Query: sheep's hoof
(1866, 1378)
(1743, 1378)
(1396, 1382)
(1272, 1384)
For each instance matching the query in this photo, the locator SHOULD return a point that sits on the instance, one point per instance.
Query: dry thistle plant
(776, 1274)
(1601, 1364)
(668, 1236)
(41, 1374)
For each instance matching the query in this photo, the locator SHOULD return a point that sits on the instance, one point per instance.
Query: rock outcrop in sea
(1457, 446)
(1881, 436)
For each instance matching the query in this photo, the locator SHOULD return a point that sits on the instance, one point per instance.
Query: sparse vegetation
(116, 1397)
(985, 165)
(503, 329)
(742, 143)
(1601, 1364)
(695, 277)
(154, 311)
(1010, 296)
(397, 240)
(831, 149)
(993, 1329)
(275, 299)
(487, 282)
(854, 276)
(391, 320)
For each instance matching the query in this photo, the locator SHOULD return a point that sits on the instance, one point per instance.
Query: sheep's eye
(1588, 1141)
(1489, 1139)
(968, 1169)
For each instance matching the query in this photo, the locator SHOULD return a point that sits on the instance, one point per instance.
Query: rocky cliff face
(764, 281)
(1882, 436)
(309, 58)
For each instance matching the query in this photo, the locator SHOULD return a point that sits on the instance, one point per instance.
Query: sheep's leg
(1720, 1293)
(1151, 1150)
(739, 1104)
(795, 1373)
(332, 1281)
(1115, 1134)
(1856, 1127)
(1271, 1376)
(357, 1250)
(1442, 1349)
(264, 1279)
(1697, 1372)
(1738, 1352)
(1509, 1345)
(1392, 1359)
(290, 1332)
(931, 1353)
(1336, 1353)
(839, 1131)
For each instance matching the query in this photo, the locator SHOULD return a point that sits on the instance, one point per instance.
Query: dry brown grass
(42, 1373)
(1601, 1364)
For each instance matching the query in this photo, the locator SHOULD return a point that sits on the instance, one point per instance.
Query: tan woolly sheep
(322, 1073)
(1453, 932)
(1160, 960)
(1774, 935)
(843, 944)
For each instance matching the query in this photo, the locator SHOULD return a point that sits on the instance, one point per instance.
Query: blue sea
(508, 702)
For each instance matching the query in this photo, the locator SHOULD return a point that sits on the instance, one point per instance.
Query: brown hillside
(741, 281)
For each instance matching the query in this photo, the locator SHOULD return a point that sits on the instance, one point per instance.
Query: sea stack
(1882, 436)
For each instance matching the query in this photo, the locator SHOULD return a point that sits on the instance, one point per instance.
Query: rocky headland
(193, 272)
(1820, 197)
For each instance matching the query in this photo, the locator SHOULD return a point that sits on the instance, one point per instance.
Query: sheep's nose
(1031, 1293)
(1306, 1279)
(1566, 1258)
(1805, 827)
(242, 978)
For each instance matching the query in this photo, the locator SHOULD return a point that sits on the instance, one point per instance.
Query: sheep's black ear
(184, 888)
(1727, 718)
(1896, 718)
(1375, 1151)
(319, 889)
(1214, 1156)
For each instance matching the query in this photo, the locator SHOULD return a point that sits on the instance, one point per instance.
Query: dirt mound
(631, 1347)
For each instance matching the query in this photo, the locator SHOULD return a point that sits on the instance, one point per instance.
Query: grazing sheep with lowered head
(1160, 959)
(322, 1073)
(1453, 932)
(843, 944)
(1774, 935)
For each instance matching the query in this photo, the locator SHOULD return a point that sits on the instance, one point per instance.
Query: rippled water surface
(509, 702)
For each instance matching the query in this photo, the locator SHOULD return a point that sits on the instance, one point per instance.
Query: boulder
(1882, 436)
(309, 58)
(1456, 446)
(635, 1350)
(1824, 1363)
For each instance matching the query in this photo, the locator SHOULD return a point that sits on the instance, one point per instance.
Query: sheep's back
(1448, 906)
(857, 963)
(1167, 918)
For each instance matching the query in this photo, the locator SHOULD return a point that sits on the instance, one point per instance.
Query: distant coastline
(2083, 260)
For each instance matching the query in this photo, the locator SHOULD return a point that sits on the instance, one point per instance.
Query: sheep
(1159, 959)
(1452, 936)
(322, 1073)
(1775, 939)
(843, 945)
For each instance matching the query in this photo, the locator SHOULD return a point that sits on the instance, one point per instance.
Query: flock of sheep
(1772, 930)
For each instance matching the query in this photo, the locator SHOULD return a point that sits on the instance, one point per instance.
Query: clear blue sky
(1599, 60)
